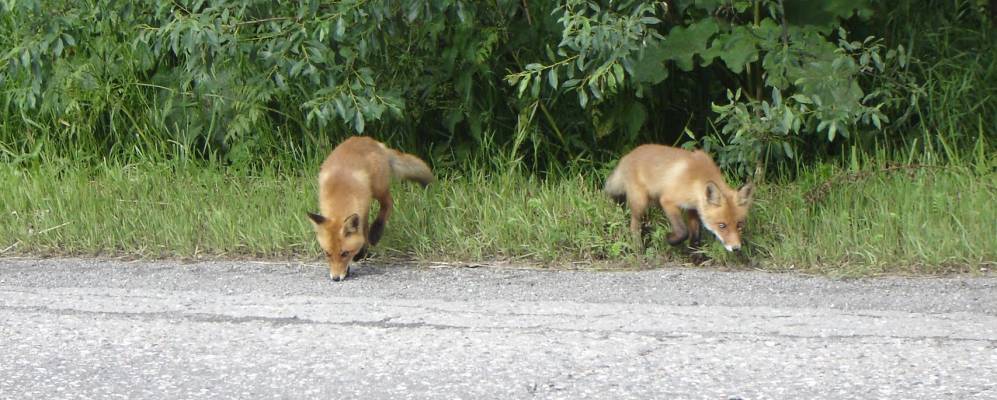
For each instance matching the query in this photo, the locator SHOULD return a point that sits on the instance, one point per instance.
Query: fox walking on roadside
(354, 174)
(680, 180)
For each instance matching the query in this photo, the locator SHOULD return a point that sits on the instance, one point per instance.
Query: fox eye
(722, 225)
(740, 225)
(344, 254)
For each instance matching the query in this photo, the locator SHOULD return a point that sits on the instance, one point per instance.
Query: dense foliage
(245, 81)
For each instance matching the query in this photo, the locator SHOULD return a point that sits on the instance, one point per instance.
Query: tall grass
(152, 210)
(954, 43)
(159, 210)
(867, 217)
(878, 216)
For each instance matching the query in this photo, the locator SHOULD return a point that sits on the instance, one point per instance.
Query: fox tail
(616, 187)
(408, 167)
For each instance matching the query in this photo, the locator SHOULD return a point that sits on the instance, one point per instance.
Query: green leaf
(651, 67)
(358, 123)
(787, 119)
(787, 149)
(552, 78)
(618, 73)
(57, 47)
(742, 5)
(801, 99)
(347, 53)
(708, 5)
(878, 61)
(594, 87)
(340, 29)
(635, 117)
(522, 86)
(736, 49)
(413, 10)
(683, 43)
(451, 118)
(339, 107)
(825, 14)
(296, 68)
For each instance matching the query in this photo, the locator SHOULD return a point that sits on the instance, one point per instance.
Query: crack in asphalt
(386, 323)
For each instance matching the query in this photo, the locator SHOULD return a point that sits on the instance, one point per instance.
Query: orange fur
(680, 180)
(354, 174)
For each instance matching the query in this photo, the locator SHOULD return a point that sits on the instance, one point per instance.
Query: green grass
(882, 219)
(151, 211)
(869, 218)
(162, 211)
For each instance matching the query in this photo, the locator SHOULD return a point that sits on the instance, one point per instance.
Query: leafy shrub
(548, 82)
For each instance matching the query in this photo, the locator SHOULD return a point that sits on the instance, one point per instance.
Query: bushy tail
(408, 167)
(616, 187)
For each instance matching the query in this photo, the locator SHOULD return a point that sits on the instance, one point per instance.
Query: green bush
(553, 82)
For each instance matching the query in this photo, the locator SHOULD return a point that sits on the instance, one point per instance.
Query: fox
(680, 180)
(357, 172)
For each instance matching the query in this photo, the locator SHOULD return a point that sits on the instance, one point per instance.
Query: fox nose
(734, 247)
(337, 278)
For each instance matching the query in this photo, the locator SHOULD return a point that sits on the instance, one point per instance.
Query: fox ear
(713, 194)
(351, 225)
(745, 193)
(316, 219)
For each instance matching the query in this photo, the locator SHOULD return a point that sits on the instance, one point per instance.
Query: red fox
(680, 180)
(358, 171)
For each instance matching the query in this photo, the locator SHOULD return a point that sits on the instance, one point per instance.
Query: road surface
(219, 330)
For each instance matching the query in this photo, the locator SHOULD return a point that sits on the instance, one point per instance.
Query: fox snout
(339, 274)
(731, 242)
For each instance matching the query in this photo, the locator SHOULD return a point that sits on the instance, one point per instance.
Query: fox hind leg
(619, 199)
(638, 207)
(693, 222)
(694, 225)
(377, 229)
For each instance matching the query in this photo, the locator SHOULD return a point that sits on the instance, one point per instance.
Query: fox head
(340, 240)
(723, 212)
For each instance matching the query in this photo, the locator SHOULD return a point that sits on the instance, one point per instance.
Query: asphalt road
(105, 329)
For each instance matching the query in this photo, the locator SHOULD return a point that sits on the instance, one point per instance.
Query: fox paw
(675, 239)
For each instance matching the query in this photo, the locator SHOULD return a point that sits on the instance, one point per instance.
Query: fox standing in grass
(358, 171)
(680, 180)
